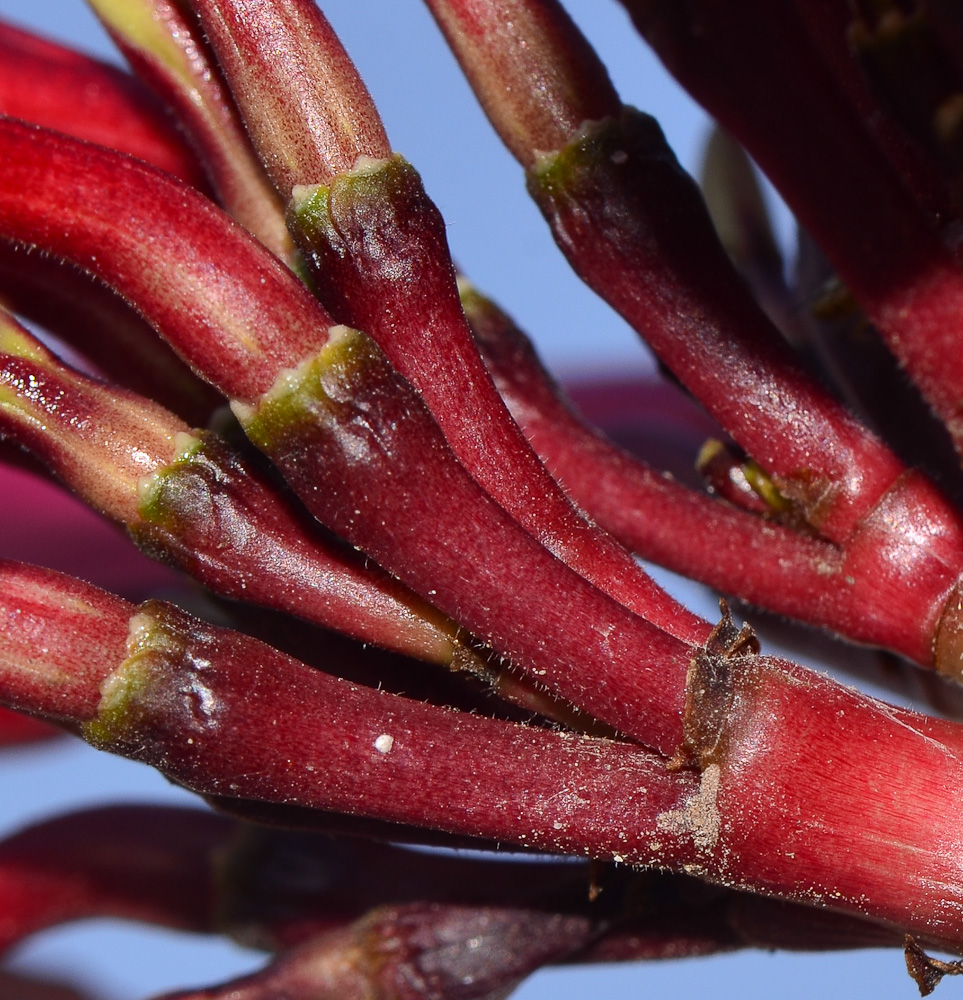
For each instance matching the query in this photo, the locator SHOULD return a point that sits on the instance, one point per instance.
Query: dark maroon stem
(193, 870)
(190, 870)
(536, 75)
(412, 952)
(838, 34)
(281, 888)
(406, 951)
(709, 922)
(854, 203)
(159, 869)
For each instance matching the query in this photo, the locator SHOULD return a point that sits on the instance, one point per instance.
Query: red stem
(596, 556)
(380, 260)
(534, 72)
(173, 59)
(360, 449)
(853, 202)
(634, 227)
(158, 869)
(279, 60)
(248, 319)
(82, 621)
(257, 319)
(223, 523)
(53, 86)
(807, 789)
(378, 251)
(225, 715)
(104, 330)
(191, 500)
(636, 230)
(871, 590)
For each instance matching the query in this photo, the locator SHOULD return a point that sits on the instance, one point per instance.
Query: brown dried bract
(710, 688)
(926, 971)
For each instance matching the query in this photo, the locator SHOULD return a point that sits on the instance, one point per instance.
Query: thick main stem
(805, 789)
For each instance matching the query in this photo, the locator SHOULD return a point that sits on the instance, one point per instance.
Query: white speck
(384, 743)
(619, 157)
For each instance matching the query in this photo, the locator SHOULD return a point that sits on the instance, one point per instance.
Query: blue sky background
(503, 245)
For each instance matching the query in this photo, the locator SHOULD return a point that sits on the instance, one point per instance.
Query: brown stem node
(948, 642)
(710, 687)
